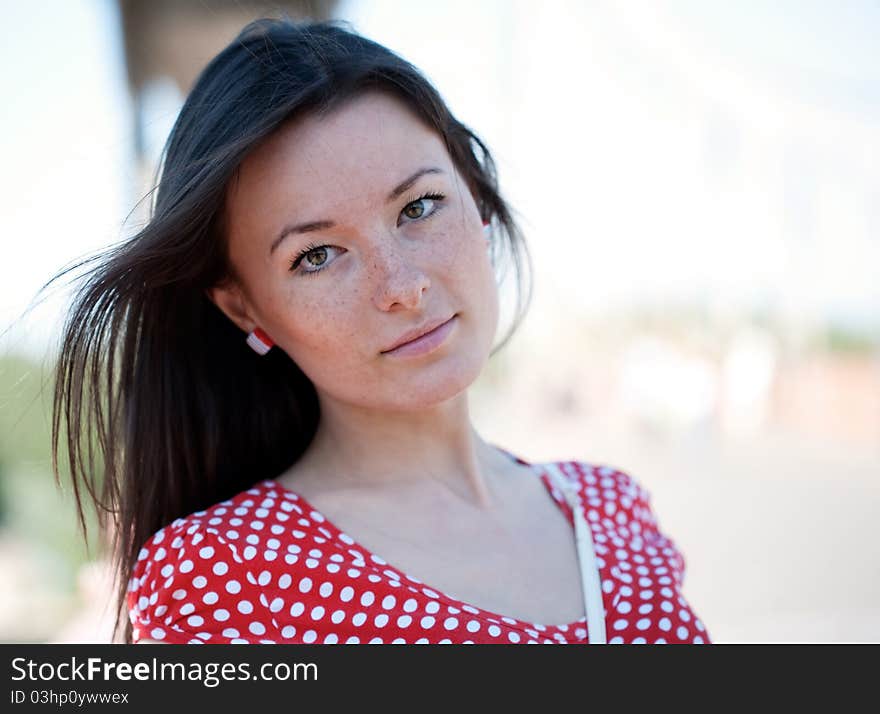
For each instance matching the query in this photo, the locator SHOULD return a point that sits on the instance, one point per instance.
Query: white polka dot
(494, 630)
(410, 605)
(337, 617)
(276, 605)
(245, 607)
(264, 578)
(305, 585)
(427, 622)
(381, 620)
(620, 624)
(624, 607)
(618, 640)
(310, 636)
(347, 593)
(317, 612)
(450, 623)
(200, 581)
(359, 619)
(233, 586)
(326, 589)
(404, 621)
(388, 602)
(210, 598)
(367, 598)
(284, 581)
(186, 566)
(157, 633)
(297, 609)
(187, 608)
(681, 632)
(288, 632)
(640, 641)
(513, 637)
(643, 624)
(257, 628)
(250, 552)
(432, 607)
(195, 621)
(664, 624)
(206, 552)
(179, 594)
(221, 615)
(473, 626)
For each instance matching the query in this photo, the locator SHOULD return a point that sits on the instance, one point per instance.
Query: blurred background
(699, 184)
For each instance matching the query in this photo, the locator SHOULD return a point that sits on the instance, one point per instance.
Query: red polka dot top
(267, 567)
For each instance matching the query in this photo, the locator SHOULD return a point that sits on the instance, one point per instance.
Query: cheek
(461, 256)
(316, 328)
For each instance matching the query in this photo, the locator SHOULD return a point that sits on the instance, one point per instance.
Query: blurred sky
(691, 150)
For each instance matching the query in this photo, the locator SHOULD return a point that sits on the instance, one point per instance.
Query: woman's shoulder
(200, 576)
(608, 493)
(599, 480)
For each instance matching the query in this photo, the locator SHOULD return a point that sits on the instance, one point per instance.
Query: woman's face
(381, 236)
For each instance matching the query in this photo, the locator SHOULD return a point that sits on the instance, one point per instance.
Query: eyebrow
(311, 226)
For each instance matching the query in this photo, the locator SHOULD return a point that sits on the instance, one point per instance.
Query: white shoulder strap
(590, 578)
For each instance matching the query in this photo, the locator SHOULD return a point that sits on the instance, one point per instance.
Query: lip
(423, 339)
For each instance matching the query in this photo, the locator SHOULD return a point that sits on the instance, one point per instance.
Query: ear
(229, 298)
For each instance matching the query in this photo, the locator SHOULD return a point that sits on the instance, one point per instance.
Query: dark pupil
(319, 252)
(415, 209)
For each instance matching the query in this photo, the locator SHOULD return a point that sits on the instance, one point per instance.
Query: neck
(434, 448)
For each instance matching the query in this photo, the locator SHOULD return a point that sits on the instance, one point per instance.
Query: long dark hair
(184, 413)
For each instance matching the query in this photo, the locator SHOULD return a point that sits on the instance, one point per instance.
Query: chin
(439, 382)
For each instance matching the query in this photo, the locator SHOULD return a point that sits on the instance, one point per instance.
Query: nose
(398, 279)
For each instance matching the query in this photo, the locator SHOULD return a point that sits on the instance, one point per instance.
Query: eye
(422, 208)
(313, 257)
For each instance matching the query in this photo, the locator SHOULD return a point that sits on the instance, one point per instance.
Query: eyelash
(312, 246)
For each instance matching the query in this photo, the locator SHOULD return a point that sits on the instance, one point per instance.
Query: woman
(284, 354)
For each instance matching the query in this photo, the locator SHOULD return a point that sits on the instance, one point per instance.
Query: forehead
(370, 142)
